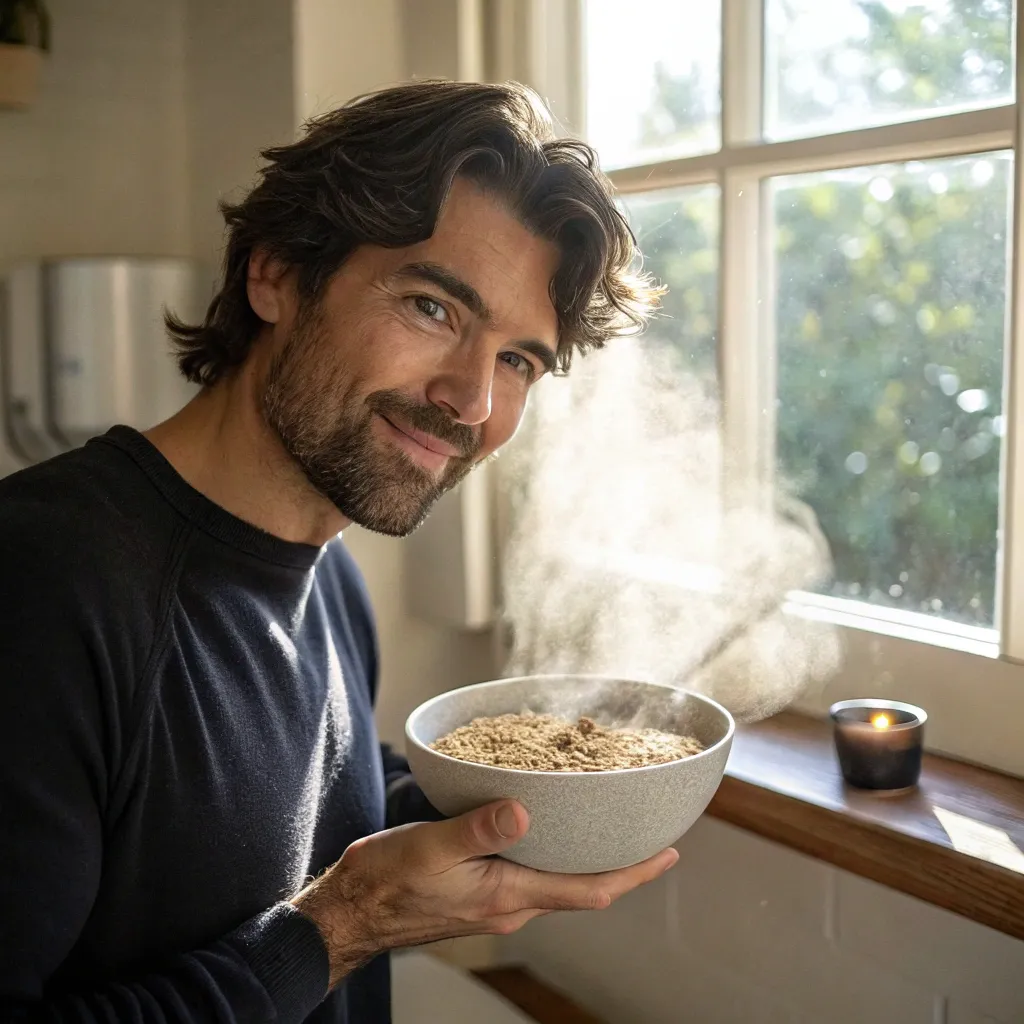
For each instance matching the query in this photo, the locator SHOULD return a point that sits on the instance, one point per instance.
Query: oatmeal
(546, 743)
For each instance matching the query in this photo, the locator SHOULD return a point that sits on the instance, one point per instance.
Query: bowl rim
(422, 708)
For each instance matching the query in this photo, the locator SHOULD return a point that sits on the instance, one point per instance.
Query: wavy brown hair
(377, 171)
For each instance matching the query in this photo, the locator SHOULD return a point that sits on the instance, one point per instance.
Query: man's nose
(463, 388)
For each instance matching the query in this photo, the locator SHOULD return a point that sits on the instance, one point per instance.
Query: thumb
(487, 830)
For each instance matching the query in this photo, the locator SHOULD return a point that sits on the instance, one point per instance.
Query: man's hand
(420, 883)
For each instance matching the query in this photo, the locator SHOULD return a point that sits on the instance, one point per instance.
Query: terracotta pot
(20, 67)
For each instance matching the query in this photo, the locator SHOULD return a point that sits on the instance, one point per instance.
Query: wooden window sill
(956, 842)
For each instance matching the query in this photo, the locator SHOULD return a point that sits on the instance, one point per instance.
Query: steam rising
(625, 560)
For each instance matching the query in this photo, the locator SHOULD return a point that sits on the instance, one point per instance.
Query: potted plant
(24, 38)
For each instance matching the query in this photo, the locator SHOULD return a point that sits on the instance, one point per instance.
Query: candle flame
(880, 721)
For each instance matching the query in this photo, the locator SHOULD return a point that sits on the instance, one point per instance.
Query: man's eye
(520, 364)
(431, 308)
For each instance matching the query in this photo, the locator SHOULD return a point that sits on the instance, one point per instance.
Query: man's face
(416, 364)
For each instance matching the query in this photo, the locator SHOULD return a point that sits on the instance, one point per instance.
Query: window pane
(652, 79)
(836, 65)
(891, 293)
(677, 231)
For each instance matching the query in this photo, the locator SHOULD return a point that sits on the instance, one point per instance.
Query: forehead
(511, 268)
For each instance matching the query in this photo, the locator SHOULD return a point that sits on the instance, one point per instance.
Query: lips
(428, 441)
(423, 454)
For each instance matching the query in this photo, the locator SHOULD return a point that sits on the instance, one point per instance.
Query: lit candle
(879, 743)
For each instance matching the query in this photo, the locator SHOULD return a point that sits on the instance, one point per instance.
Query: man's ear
(268, 286)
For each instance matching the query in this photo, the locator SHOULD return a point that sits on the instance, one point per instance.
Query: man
(186, 733)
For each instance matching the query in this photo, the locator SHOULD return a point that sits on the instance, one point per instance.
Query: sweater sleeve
(60, 740)
(406, 802)
(273, 968)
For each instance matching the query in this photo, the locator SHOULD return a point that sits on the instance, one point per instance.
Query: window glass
(652, 80)
(836, 65)
(677, 231)
(890, 292)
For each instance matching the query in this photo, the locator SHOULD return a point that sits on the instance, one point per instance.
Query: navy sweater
(186, 736)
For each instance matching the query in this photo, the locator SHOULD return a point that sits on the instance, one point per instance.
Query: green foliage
(679, 111)
(677, 231)
(926, 57)
(890, 307)
(890, 321)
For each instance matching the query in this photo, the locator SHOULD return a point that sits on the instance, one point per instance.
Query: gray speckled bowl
(579, 821)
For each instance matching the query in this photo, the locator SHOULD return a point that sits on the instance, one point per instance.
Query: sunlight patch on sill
(976, 839)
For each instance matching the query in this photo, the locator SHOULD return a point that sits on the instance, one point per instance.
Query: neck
(221, 445)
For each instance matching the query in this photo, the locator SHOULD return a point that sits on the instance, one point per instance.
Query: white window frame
(971, 680)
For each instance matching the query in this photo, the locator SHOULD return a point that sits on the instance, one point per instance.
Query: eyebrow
(452, 284)
(465, 293)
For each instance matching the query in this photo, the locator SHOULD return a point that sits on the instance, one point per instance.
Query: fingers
(543, 890)
(623, 881)
(479, 833)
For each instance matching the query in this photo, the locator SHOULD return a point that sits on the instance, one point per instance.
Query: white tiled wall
(743, 931)
(149, 112)
(97, 165)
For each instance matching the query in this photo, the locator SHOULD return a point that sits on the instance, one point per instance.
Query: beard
(325, 422)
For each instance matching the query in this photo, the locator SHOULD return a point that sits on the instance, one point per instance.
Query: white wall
(343, 48)
(238, 100)
(98, 164)
(743, 931)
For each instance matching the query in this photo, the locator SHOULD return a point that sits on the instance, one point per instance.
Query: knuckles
(591, 900)
(474, 833)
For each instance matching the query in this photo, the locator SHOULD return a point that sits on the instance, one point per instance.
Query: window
(855, 63)
(677, 230)
(890, 312)
(827, 191)
(652, 95)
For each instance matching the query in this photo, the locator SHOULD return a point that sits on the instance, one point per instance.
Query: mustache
(428, 418)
